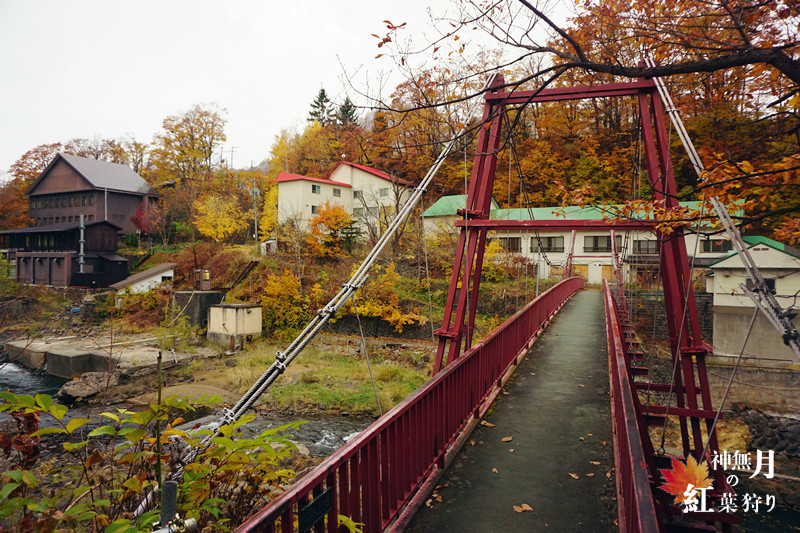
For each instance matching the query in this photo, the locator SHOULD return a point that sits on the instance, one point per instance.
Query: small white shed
(146, 280)
(233, 325)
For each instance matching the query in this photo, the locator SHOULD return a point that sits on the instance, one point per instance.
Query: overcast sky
(84, 68)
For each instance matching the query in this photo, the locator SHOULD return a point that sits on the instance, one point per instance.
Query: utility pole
(255, 215)
(232, 150)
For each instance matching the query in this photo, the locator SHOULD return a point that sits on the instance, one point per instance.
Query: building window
(769, 282)
(50, 220)
(549, 244)
(314, 209)
(359, 211)
(716, 246)
(91, 218)
(316, 189)
(337, 192)
(384, 192)
(599, 243)
(50, 203)
(511, 244)
(357, 194)
(83, 200)
(644, 247)
(91, 200)
(77, 201)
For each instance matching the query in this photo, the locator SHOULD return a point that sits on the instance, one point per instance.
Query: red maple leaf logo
(684, 474)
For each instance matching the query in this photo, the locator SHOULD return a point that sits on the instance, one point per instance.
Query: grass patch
(328, 380)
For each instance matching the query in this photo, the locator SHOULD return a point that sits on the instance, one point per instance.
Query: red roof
(285, 176)
(375, 172)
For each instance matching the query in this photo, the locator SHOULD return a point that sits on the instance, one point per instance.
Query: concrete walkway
(556, 411)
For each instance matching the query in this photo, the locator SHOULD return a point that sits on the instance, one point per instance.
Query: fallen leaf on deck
(581, 438)
(589, 475)
(603, 442)
(495, 471)
(533, 373)
(588, 434)
(472, 443)
(608, 475)
(595, 463)
(507, 439)
(581, 385)
(511, 450)
(526, 507)
(487, 424)
(574, 476)
(517, 508)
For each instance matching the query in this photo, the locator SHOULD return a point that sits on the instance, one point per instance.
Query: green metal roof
(755, 239)
(446, 206)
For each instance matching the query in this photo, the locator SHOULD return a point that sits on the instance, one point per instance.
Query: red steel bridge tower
(689, 396)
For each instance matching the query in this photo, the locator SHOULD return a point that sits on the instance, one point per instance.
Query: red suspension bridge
(382, 477)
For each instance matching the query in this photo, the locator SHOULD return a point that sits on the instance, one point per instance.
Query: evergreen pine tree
(346, 113)
(321, 110)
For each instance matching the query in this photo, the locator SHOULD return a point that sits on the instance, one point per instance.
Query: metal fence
(372, 478)
(634, 496)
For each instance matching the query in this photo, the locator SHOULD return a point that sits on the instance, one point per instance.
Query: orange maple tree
(327, 230)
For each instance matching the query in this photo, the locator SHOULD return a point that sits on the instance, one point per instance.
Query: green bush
(120, 456)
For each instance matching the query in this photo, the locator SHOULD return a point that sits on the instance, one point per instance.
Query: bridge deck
(558, 397)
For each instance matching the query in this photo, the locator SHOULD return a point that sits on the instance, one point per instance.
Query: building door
(595, 273)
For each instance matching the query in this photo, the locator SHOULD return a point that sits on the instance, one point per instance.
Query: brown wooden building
(71, 186)
(58, 250)
(55, 255)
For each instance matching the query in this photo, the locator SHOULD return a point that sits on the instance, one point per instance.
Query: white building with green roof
(592, 249)
(780, 266)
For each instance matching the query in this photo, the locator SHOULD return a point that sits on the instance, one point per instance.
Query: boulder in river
(87, 386)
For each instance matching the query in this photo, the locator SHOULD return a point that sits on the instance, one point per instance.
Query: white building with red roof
(367, 194)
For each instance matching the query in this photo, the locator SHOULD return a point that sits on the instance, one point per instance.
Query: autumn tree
(731, 68)
(284, 309)
(268, 220)
(379, 298)
(183, 152)
(15, 207)
(136, 154)
(328, 229)
(218, 217)
(27, 168)
(98, 148)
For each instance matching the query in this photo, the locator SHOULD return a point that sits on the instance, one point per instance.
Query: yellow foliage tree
(283, 306)
(218, 218)
(268, 220)
(380, 299)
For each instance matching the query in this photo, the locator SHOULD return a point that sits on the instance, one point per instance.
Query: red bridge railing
(634, 497)
(373, 477)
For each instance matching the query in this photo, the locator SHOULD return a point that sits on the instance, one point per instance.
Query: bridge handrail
(634, 497)
(371, 478)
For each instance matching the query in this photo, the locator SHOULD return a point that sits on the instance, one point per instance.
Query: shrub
(115, 464)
